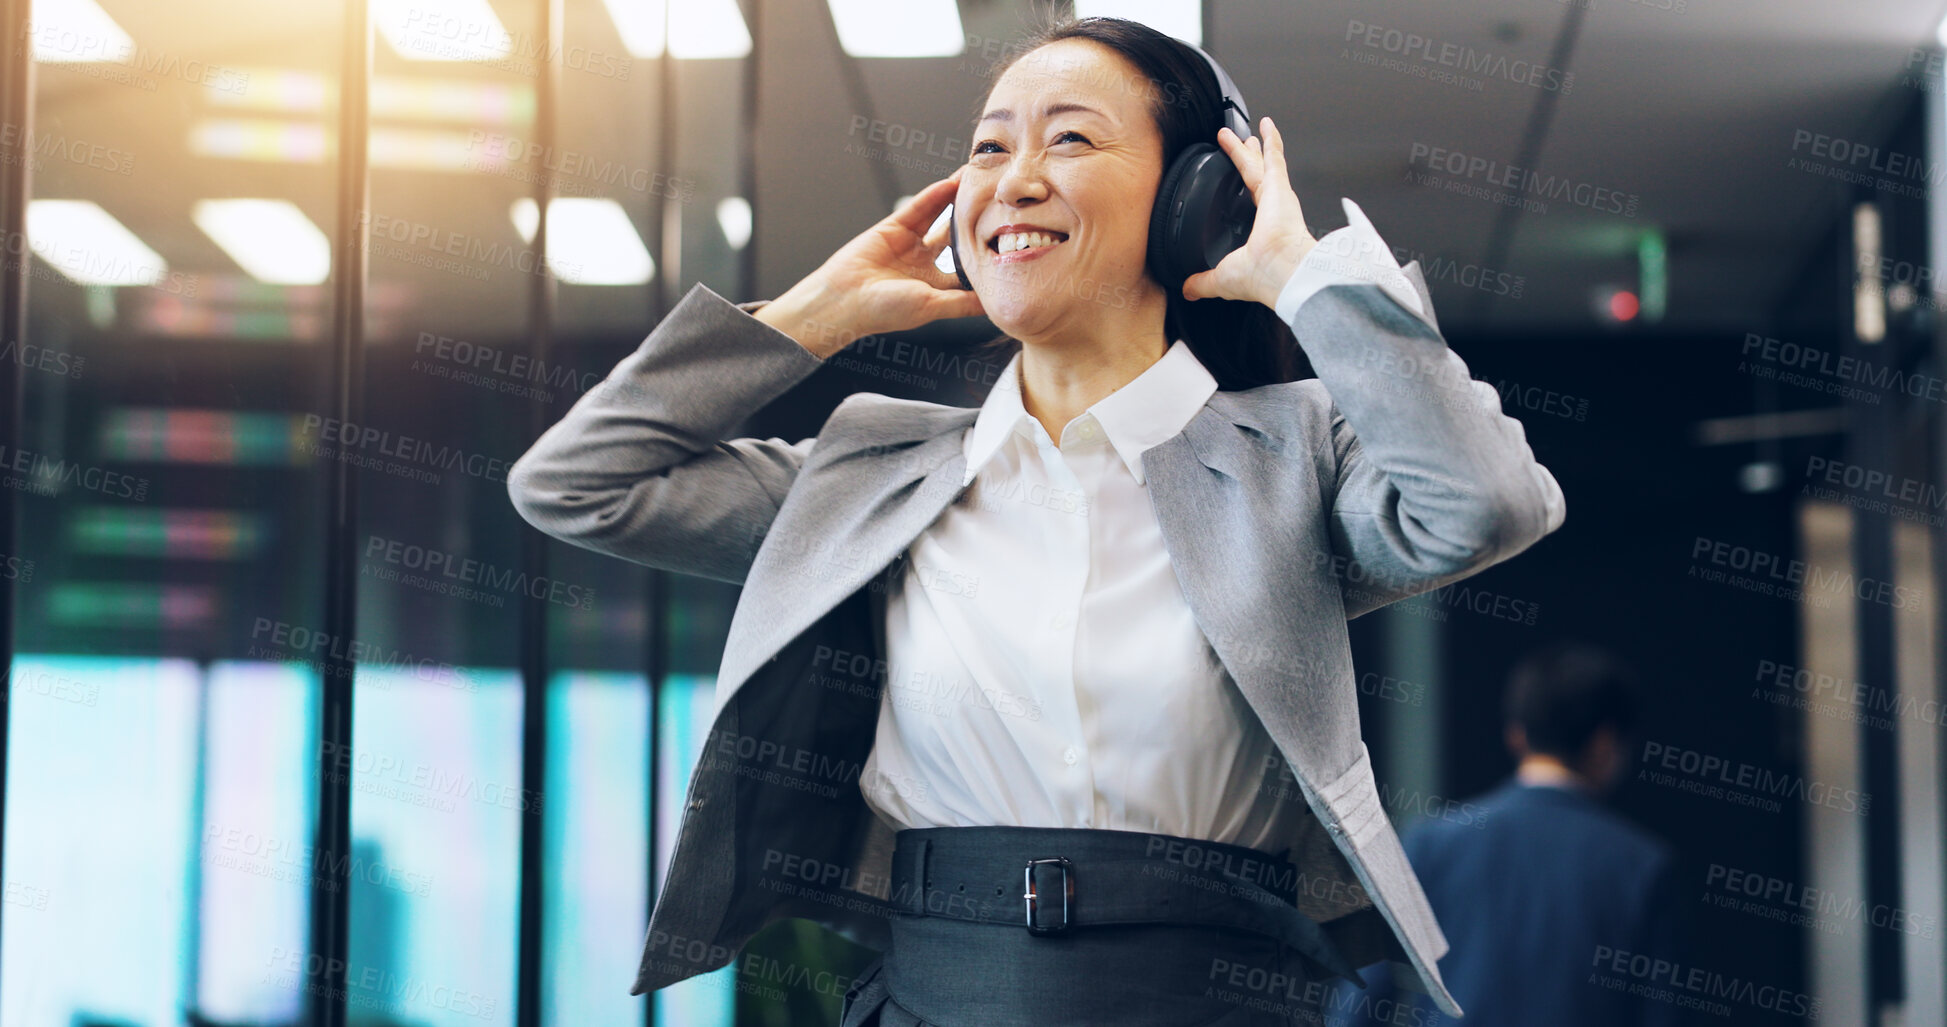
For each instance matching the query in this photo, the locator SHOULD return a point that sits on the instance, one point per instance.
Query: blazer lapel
(852, 514)
(1215, 437)
(1232, 543)
(1205, 550)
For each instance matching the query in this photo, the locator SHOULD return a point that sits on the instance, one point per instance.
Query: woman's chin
(1018, 326)
(1019, 312)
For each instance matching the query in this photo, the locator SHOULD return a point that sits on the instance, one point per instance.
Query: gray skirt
(949, 973)
(943, 972)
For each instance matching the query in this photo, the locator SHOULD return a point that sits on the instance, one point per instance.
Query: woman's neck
(1063, 376)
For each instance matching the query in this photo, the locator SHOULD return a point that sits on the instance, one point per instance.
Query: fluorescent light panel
(420, 98)
(275, 89)
(404, 97)
(271, 240)
(261, 139)
(443, 30)
(696, 29)
(85, 243)
(1180, 18)
(76, 31)
(428, 149)
(590, 240)
(898, 28)
(292, 142)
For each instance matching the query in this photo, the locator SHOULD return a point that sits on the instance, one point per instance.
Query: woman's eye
(987, 146)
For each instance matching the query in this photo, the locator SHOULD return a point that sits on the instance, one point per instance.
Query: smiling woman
(1013, 694)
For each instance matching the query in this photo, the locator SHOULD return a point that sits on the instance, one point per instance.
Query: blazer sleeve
(639, 468)
(1433, 481)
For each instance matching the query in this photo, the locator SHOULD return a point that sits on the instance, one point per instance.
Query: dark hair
(1563, 693)
(1242, 343)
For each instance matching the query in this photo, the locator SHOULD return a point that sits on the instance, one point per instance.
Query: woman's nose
(1022, 181)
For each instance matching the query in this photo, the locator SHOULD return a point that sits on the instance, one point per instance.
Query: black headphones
(1203, 210)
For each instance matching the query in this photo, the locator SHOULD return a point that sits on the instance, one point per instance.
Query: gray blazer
(1286, 510)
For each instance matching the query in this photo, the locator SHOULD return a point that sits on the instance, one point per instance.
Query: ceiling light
(906, 28)
(1180, 18)
(85, 243)
(590, 240)
(443, 30)
(71, 31)
(271, 240)
(698, 29)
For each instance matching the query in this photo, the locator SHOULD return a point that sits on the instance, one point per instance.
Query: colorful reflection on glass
(436, 803)
(101, 823)
(688, 702)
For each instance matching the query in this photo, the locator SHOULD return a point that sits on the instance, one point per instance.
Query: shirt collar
(1150, 409)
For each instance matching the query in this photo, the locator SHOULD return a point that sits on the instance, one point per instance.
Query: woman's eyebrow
(1003, 114)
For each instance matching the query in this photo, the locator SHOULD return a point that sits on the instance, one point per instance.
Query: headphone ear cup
(953, 246)
(1203, 211)
(1161, 263)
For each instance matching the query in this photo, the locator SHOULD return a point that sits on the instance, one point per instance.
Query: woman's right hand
(882, 281)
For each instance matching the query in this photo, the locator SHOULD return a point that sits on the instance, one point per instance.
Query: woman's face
(1066, 148)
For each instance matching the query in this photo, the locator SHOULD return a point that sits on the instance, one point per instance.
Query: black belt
(1047, 880)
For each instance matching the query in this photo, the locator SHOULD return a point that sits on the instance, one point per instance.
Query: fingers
(1220, 282)
(1193, 286)
(1250, 163)
(959, 303)
(1274, 152)
(918, 213)
(945, 281)
(1272, 189)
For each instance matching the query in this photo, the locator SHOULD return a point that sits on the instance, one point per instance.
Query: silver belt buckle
(1032, 899)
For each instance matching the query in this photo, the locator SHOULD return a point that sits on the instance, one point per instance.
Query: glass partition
(178, 433)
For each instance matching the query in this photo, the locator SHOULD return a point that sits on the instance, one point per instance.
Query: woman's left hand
(1279, 239)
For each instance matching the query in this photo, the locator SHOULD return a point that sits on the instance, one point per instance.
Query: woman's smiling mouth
(1015, 243)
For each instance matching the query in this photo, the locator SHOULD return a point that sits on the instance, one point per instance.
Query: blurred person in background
(1541, 875)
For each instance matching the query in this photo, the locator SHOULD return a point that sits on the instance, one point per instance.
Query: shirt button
(1088, 431)
(1068, 756)
(1060, 620)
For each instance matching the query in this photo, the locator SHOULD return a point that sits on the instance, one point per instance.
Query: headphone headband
(1235, 114)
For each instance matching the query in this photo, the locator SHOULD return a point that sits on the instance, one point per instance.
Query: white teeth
(1025, 240)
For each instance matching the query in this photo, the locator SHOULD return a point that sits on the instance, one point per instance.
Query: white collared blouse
(1043, 667)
